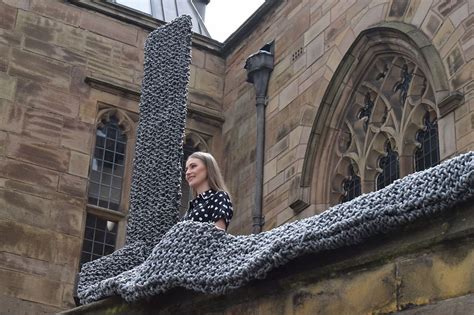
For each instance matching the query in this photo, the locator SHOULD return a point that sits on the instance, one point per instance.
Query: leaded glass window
(390, 166)
(99, 238)
(427, 155)
(351, 186)
(107, 169)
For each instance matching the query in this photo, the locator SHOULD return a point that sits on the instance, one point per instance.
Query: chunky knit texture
(156, 179)
(199, 256)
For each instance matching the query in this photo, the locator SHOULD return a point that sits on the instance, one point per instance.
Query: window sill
(107, 214)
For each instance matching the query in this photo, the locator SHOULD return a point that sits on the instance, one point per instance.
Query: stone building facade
(362, 92)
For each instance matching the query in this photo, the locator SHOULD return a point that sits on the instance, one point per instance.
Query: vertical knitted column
(156, 178)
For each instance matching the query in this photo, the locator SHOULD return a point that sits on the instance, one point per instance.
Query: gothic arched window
(107, 169)
(390, 166)
(351, 186)
(109, 178)
(427, 155)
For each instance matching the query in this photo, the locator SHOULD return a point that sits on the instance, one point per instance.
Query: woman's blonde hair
(214, 175)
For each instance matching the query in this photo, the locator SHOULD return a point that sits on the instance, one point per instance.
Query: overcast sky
(223, 17)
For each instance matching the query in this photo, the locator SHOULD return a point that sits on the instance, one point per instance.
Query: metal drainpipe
(259, 66)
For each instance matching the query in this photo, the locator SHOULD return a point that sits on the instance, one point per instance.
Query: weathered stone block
(40, 69)
(3, 141)
(316, 29)
(42, 125)
(10, 38)
(109, 28)
(57, 10)
(30, 288)
(398, 8)
(444, 274)
(314, 50)
(5, 53)
(88, 111)
(215, 64)
(198, 58)
(24, 208)
(54, 52)
(67, 250)
(7, 16)
(25, 240)
(30, 93)
(72, 185)
(37, 267)
(36, 26)
(288, 94)
(71, 37)
(77, 135)
(208, 82)
(20, 4)
(368, 291)
(109, 69)
(46, 155)
(15, 306)
(68, 214)
(28, 173)
(7, 86)
(79, 164)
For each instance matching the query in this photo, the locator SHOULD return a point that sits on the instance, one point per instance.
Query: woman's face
(196, 172)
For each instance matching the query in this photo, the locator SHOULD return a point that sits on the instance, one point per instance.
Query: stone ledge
(378, 251)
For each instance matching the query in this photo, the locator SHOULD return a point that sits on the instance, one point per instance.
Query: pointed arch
(396, 38)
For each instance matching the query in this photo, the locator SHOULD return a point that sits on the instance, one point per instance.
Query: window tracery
(385, 134)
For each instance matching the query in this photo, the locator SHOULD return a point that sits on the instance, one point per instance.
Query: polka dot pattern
(210, 206)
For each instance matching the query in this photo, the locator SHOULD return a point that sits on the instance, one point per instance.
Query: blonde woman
(212, 202)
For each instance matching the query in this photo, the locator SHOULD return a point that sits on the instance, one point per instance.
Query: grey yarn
(200, 257)
(161, 254)
(156, 179)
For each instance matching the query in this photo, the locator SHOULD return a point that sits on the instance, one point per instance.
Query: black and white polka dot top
(210, 206)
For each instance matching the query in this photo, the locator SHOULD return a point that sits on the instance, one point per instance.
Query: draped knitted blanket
(162, 253)
(200, 257)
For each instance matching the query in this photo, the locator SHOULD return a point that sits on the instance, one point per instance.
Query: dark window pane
(351, 186)
(427, 155)
(103, 204)
(111, 132)
(119, 159)
(109, 156)
(108, 168)
(121, 147)
(390, 166)
(87, 246)
(99, 236)
(98, 240)
(117, 182)
(107, 162)
(89, 234)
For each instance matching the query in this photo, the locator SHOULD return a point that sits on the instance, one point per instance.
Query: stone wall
(311, 39)
(60, 63)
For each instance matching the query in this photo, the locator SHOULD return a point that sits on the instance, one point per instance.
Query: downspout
(259, 66)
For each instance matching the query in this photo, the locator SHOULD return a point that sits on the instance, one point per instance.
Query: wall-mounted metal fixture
(259, 67)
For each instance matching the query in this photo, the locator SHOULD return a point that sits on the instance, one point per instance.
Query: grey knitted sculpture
(200, 257)
(156, 178)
